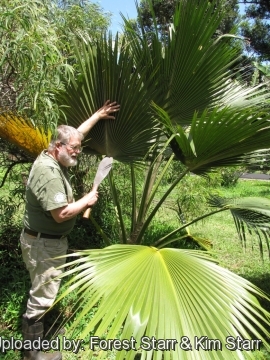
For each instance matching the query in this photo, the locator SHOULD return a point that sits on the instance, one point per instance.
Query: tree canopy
(164, 11)
(35, 51)
(36, 57)
(257, 27)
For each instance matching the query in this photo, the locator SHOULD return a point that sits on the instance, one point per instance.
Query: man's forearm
(103, 113)
(73, 209)
(87, 125)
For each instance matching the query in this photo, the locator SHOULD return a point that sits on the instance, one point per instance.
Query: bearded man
(50, 215)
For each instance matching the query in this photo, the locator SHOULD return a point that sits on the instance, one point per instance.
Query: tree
(182, 94)
(256, 28)
(164, 11)
(34, 38)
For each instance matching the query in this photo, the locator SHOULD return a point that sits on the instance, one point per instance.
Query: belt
(42, 235)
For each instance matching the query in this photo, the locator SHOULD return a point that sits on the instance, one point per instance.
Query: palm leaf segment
(105, 72)
(22, 133)
(254, 213)
(221, 137)
(163, 294)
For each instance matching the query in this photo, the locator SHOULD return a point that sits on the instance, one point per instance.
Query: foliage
(20, 132)
(164, 10)
(264, 69)
(256, 28)
(35, 53)
(230, 176)
(116, 82)
(155, 270)
(260, 161)
(13, 277)
(10, 229)
(31, 62)
(190, 196)
(11, 209)
(201, 155)
(247, 212)
(73, 17)
(35, 58)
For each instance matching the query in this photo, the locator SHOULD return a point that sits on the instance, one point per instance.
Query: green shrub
(230, 175)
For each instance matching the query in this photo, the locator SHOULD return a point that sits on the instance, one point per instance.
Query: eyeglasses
(77, 148)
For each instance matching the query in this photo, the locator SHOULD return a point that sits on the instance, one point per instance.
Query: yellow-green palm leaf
(165, 294)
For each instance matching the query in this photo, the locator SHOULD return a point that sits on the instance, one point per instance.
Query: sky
(127, 7)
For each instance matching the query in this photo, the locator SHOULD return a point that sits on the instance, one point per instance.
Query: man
(49, 217)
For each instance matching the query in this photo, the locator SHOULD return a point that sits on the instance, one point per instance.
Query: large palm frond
(165, 294)
(105, 72)
(193, 68)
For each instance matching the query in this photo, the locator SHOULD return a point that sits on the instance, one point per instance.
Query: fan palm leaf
(193, 68)
(163, 294)
(22, 133)
(105, 72)
(219, 137)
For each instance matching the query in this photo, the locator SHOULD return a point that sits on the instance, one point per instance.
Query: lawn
(219, 229)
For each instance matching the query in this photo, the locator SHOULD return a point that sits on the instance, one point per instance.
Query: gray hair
(63, 135)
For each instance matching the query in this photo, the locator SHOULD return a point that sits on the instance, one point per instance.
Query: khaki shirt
(48, 188)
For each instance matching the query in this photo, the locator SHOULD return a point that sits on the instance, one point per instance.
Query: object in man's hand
(103, 170)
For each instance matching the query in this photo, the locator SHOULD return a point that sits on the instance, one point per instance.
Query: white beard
(66, 160)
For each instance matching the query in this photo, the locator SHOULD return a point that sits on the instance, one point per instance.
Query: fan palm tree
(183, 94)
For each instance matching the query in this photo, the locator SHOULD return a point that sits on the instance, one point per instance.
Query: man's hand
(103, 113)
(92, 197)
(108, 108)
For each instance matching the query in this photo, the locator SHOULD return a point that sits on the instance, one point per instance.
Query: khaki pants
(38, 254)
